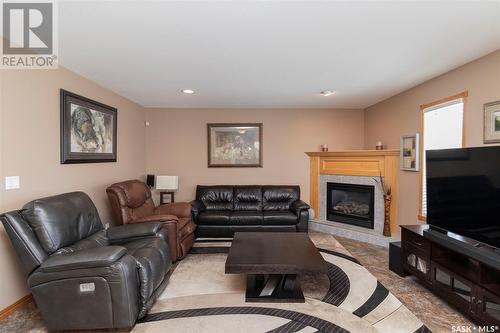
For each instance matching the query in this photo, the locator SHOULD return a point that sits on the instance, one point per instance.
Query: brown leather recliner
(131, 202)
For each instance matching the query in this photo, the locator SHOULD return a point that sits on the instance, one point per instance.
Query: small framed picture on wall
(492, 122)
(409, 152)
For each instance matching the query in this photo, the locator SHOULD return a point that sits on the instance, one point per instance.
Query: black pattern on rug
(423, 329)
(320, 324)
(290, 327)
(209, 250)
(341, 255)
(379, 295)
(339, 285)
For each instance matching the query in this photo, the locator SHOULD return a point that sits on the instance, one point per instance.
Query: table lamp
(167, 185)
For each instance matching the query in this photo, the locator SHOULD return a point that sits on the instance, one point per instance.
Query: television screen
(463, 192)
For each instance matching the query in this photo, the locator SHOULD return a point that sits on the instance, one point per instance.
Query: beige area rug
(201, 298)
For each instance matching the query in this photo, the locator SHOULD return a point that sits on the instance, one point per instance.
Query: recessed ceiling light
(327, 93)
(188, 91)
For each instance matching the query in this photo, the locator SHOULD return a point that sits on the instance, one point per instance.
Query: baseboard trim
(14, 306)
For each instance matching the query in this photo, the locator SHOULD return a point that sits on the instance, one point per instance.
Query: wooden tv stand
(468, 284)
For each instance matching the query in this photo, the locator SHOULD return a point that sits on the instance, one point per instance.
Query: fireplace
(351, 204)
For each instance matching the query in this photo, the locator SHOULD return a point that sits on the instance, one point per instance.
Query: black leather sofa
(222, 210)
(81, 275)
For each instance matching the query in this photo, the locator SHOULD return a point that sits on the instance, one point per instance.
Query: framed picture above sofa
(88, 130)
(234, 145)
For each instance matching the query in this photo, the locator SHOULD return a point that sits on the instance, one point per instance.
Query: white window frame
(461, 97)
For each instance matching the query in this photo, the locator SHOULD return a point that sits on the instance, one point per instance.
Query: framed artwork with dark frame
(409, 152)
(88, 130)
(492, 122)
(234, 145)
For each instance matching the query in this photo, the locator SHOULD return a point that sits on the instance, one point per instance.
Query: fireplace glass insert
(351, 204)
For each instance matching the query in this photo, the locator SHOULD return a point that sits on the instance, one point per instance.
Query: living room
(310, 94)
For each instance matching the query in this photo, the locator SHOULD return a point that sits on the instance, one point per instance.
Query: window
(442, 127)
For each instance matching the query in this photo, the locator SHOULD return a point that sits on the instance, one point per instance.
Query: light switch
(12, 182)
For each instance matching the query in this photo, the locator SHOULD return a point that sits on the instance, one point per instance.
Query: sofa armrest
(157, 218)
(197, 207)
(103, 280)
(298, 206)
(125, 232)
(96, 257)
(179, 209)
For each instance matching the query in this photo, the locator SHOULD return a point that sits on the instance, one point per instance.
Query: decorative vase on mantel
(387, 215)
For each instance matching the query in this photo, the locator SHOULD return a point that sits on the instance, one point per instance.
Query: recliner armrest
(125, 232)
(96, 257)
(197, 207)
(157, 218)
(179, 209)
(298, 205)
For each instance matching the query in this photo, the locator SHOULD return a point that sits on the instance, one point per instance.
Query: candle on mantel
(324, 147)
(379, 146)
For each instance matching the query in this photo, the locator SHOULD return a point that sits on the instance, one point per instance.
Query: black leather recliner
(81, 275)
(222, 210)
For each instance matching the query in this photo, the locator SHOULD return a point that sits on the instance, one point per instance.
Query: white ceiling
(271, 54)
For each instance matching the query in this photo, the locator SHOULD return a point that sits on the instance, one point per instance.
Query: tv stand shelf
(467, 279)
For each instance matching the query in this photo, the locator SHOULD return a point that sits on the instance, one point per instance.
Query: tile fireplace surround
(354, 167)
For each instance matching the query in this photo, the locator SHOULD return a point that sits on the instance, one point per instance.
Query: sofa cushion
(279, 197)
(246, 218)
(130, 200)
(133, 193)
(62, 220)
(213, 217)
(248, 198)
(99, 239)
(215, 197)
(279, 217)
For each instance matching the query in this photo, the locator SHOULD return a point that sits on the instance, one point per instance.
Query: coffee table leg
(291, 282)
(272, 282)
(274, 288)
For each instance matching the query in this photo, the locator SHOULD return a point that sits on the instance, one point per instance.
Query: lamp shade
(167, 183)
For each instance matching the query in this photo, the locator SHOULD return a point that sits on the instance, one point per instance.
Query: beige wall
(176, 144)
(398, 115)
(29, 148)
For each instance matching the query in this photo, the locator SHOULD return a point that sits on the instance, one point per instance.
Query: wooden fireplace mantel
(355, 163)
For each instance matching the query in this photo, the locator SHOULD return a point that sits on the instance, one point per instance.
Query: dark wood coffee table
(272, 261)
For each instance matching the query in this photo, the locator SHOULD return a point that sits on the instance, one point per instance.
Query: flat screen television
(463, 192)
